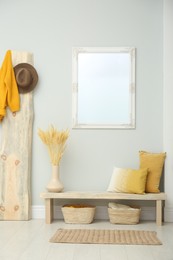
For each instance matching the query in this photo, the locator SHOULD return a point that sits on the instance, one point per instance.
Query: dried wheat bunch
(55, 141)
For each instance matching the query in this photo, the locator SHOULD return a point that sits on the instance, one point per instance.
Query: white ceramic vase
(55, 184)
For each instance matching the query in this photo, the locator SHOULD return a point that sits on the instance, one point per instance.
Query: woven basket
(78, 214)
(124, 216)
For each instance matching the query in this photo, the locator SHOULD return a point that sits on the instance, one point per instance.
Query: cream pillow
(128, 181)
(154, 162)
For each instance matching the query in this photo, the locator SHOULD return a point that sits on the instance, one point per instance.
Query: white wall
(50, 29)
(168, 105)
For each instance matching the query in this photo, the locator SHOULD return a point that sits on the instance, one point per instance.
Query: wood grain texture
(15, 155)
(102, 195)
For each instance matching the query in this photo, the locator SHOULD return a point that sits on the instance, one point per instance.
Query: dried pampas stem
(55, 141)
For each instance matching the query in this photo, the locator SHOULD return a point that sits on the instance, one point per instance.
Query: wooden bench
(49, 197)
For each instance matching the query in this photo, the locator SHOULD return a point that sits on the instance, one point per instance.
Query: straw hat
(26, 77)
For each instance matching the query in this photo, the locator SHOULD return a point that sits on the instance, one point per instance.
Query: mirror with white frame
(103, 87)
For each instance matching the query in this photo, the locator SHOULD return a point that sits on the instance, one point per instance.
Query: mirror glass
(103, 87)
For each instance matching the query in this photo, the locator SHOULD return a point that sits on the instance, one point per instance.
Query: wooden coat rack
(15, 154)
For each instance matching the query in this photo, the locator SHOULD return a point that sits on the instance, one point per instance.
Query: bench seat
(49, 197)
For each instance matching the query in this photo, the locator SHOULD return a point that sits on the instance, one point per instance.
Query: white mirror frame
(75, 87)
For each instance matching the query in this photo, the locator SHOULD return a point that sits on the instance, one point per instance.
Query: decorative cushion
(154, 162)
(128, 180)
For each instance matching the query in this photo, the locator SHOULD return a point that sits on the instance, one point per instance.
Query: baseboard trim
(168, 214)
(147, 213)
(38, 212)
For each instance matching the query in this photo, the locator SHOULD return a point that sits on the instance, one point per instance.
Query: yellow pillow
(128, 180)
(154, 162)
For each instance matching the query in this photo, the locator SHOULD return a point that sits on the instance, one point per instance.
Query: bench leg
(159, 212)
(48, 210)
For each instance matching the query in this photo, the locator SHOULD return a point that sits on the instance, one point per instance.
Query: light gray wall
(168, 106)
(50, 29)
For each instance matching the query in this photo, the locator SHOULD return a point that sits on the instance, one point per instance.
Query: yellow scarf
(9, 95)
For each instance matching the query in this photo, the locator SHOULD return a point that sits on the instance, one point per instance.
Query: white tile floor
(30, 241)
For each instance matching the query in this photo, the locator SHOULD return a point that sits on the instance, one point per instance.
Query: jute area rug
(102, 236)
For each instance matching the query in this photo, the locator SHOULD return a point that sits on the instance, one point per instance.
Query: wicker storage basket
(78, 214)
(124, 216)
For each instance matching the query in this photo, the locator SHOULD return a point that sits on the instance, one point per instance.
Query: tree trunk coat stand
(15, 155)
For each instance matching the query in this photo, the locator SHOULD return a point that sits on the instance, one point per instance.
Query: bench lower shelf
(49, 197)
